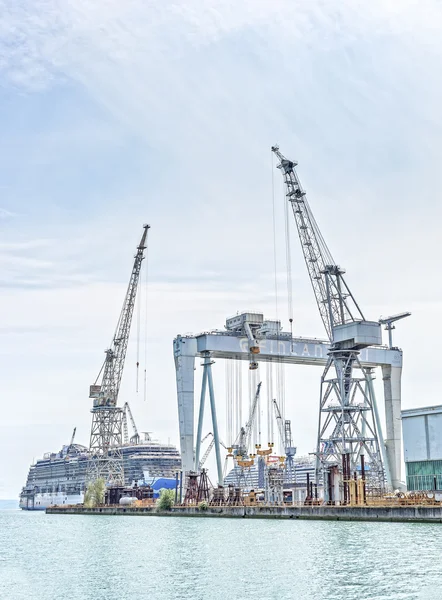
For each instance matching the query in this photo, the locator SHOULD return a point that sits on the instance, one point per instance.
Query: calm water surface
(48, 557)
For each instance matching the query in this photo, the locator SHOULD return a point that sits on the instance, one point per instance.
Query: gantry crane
(285, 433)
(107, 418)
(347, 422)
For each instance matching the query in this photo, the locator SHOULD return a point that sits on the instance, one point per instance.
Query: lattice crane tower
(106, 460)
(348, 425)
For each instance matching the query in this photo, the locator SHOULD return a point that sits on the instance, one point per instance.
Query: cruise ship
(60, 478)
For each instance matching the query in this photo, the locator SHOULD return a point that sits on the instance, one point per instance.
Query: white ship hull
(60, 478)
(42, 501)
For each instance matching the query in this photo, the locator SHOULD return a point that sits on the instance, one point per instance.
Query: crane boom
(207, 452)
(246, 432)
(251, 421)
(106, 393)
(279, 422)
(336, 303)
(109, 421)
(125, 429)
(136, 435)
(347, 423)
(209, 448)
(73, 436)
(285, 433)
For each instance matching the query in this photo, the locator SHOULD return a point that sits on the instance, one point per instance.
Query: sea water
(52, 557)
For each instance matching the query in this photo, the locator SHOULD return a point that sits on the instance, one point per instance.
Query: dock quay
(397, 514)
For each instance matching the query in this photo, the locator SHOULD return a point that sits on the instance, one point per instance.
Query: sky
(115, 114)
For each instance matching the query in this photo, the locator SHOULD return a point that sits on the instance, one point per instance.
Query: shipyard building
(422, 433)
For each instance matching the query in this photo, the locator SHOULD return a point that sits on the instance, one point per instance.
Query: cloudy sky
(115, 113)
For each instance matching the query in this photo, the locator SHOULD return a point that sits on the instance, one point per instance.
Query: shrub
(203, 505)
(94, 495)
(166, 499)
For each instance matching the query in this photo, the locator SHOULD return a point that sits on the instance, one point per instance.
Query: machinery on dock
(240, 450)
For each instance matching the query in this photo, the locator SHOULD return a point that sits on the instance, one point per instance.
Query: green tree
(94, 495)
(166, 499)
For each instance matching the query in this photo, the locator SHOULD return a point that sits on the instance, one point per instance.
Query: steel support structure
(207, 378)
(369, 377)
(105, 446)
(347, 418)
(284, 349)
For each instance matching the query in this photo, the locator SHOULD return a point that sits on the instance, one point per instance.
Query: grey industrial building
(422, 433)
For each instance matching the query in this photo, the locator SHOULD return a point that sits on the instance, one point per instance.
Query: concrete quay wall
(400, 514)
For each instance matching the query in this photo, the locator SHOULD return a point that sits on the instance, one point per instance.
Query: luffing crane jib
(105, 394)
(343, 319)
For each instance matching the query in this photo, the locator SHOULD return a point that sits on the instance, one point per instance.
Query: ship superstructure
(60, 478)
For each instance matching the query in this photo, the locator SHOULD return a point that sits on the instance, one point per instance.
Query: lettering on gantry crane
(285, 348)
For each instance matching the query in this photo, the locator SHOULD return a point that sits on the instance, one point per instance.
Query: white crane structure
(348, 423)
(241, 447)
(276, 348)
(208, 449)
(135, 438)
(72, 439)
(388, 322)
(240, 450)
(285, 433)
(207, 453)
(107, 418)
(347, 427)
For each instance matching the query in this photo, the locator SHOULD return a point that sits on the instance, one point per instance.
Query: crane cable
(279, 364)
(274, 239)
(229, 399)
(288, 262)
(146, 257)
(138, 329)
(238, 397)
(269, 379)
